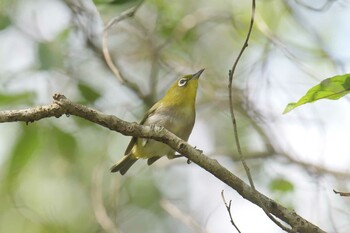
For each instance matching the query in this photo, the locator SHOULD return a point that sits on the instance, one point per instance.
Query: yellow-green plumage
(176, 112)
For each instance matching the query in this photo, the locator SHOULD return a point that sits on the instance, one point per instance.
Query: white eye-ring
(182, 82)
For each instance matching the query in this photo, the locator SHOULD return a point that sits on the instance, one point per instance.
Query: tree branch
(62, 105)
(343, 194)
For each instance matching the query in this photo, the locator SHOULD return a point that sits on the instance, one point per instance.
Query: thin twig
(233, 118)
(228, 208)
(343, 194)
(234, 122)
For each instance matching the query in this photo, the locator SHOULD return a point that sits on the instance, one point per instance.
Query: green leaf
(331, 88)
(23, 151)
(14, 99)
(144, 193)
(4, 21)
(88, 93)
(64, 34)
(66, 143)
(281, 185)
(49, 55)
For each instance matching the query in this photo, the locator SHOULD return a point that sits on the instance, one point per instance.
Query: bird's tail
(124, 164)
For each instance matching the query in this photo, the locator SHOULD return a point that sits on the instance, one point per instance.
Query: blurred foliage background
(54, 174)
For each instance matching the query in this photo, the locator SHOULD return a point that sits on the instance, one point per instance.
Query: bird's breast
(179, 122)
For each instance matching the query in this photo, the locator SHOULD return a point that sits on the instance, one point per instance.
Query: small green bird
(175, 112)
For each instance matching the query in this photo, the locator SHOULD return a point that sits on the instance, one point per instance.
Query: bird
(175, 112)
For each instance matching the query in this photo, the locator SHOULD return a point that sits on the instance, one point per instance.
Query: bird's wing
(147, 115)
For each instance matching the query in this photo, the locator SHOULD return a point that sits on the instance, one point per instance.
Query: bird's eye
(182, 82)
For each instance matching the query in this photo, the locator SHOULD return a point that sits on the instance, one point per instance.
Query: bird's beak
(196, 75)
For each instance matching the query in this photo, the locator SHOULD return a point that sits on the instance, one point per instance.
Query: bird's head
(183, 91)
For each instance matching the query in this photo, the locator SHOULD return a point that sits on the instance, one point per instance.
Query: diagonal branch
(62, 105)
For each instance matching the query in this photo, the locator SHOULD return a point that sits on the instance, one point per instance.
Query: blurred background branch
(116, 71)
